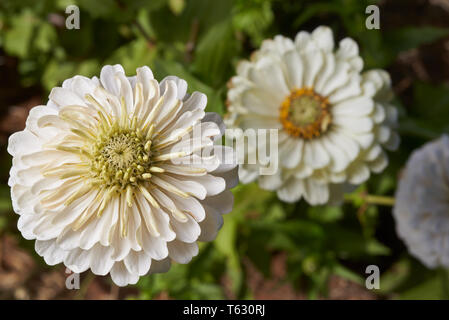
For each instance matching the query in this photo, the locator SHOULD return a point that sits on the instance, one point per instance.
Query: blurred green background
(266, 249)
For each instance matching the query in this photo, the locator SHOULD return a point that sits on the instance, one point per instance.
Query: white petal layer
(362, 121)
(132, 233)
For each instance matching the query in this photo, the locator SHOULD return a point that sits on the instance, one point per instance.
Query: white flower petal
(222, 202)
(354, 107)
(188, 231)
(101, 262)
(269, 76)
(295, 69)
(291, 152)
(313, 61)
(358, 173)
(181, 86)
(78, 260)
(160, 266)
(118, 214)
(316, 193)
(315, 155)
(292, 190)
(50, 252)
(318, 158)
(108, 78)
(121, 276)
(137, 262)
(324, 38)
(210, 225)
(182, 252)
(64, 97)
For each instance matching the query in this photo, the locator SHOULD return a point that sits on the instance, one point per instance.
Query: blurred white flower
(333, 119)
(94, 183)
(422, 204)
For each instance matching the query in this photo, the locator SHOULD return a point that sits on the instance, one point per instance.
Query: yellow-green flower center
(304, 110)
(305, 114)
(121, 157)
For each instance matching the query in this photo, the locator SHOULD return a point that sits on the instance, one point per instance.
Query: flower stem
(380, 200)
(147, 37)
(371, 199)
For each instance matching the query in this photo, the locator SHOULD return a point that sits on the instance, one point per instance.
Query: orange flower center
(305, 114)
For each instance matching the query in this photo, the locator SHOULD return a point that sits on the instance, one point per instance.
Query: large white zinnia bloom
(422, 204)
(333, 119)
(94, 182)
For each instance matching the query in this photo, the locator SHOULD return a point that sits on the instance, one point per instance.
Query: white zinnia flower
(333, 119)
(93, 178)
(422, 204)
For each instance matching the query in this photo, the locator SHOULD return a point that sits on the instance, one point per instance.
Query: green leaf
(5, 199)
(374, 50)
(253, 17)
(88, 68)
(340, 270)
(410, 37)
(5, 204)
(226, 243)
(395, 276)
(386, 184)
(177, 6)
(431, 289)
(46, 38)
(170, 28)
(349, 243)
(325, 214)
(133, 55)
(431, 106)
(56, 72)
(145, 4)
(417, 128)
(207, 291)
(99, 8)
(18, 37)
(301, 230)
(214, 54)
(3, 223)
(315, 9)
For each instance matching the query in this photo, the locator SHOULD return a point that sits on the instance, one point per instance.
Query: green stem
(372, 199)
(142, 31)
(379, 200)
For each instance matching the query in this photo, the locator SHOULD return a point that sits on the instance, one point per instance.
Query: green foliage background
(201, 41)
